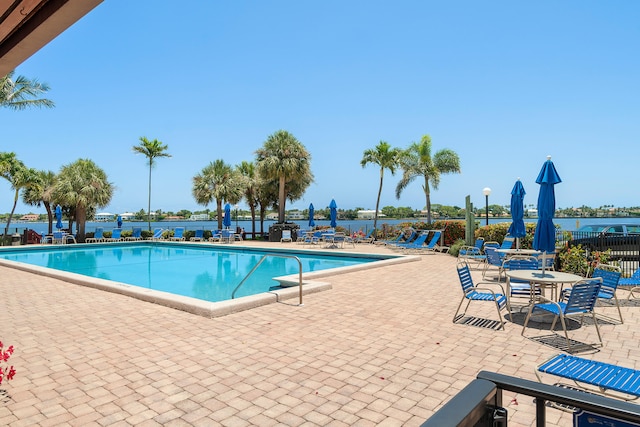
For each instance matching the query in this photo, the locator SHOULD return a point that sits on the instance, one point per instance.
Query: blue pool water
(209, 273)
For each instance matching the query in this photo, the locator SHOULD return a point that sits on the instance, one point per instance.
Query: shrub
(576, 260)
(454, 248)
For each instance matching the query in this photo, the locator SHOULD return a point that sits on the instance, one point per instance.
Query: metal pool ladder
(233, 294)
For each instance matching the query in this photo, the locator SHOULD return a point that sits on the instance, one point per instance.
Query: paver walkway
(377, 349)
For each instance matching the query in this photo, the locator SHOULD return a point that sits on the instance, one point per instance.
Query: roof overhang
(28, 25)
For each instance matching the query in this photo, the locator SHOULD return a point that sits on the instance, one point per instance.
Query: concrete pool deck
(379, 348)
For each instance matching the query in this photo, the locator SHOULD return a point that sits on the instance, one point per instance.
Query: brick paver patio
(378, 349)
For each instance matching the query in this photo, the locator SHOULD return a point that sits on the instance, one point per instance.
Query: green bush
(497, 232)
(454, 248)
(576, 260)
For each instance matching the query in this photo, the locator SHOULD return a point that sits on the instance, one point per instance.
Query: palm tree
(151, 149)
(19, 176)
(42, 192)
(385, 157)
(82, 186)
(18, 94)
(416, 161)
(248, 170)
(285, 159)
(217, 181)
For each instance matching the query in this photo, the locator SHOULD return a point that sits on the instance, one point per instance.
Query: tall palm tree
(83, 186)
(385, 157)
(21, 93)
(42, 192)
(151, 149)
(417, 161)
(284, 158)
(217, 181)
(248, 170)
(19, 176)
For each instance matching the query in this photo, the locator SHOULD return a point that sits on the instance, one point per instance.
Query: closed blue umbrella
(545, 237)
(119, 221)
(58, 217)
(226, 221)
(333, 212)
(517, 229)
(312, 223)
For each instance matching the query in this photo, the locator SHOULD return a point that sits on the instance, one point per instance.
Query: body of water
(351, 225)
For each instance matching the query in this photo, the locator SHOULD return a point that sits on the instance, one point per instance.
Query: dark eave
(28, 25)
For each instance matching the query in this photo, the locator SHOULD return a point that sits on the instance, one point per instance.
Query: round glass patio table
(550, 279)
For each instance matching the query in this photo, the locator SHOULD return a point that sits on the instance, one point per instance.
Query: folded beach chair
(178, 234)
(593, 376)
(97, 236)
(368, 238)
(216, 236)
(198, 236)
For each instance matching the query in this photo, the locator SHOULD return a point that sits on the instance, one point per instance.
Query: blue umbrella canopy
(226, 221)
(333, 212)
(312, 223)
(545, 237)
(58, 217)
(517, 228)
(119, 221)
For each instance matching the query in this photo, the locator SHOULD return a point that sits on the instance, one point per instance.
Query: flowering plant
(6, 371)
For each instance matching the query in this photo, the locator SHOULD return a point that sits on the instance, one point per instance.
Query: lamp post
(486, 191)
(236, 206)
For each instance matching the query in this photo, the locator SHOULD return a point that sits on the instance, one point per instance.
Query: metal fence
(623, 249)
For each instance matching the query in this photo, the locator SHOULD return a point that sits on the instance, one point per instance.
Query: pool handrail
(233, 294)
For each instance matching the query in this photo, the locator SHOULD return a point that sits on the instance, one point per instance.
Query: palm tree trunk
(282, 199)
(253, 220)
(428, 197)
(81, 219)
(149, 200)
(47, 206)
(219, 208)
(375, 214)
(15, 202)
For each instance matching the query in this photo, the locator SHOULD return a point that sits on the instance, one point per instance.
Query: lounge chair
(475, 292)
(216, 236)
(286, 236)
(632, 282)
(116, 236)
(473, 253)
(157, 234)
(97, 236)
(198, 236)
(178, 234)
(415, 244)
(593, 376)
(368, 238)
(582, 300)
(136, 234)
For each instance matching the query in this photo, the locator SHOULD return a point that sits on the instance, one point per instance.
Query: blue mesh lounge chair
(593, 376)
(473, 292)
(368, 238)
(198, 236)
(178, 234)
(216, 236)
(116, 235)
(136, 234)
(582, 300)
(97, 236)
(157, 234)
(415, 244)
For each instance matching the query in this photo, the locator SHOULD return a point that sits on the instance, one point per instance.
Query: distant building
(199, 217)
(105, 216)
(173, 218)
(127, 216)
(272, 216)
(369, 214)
(30, 217)
(294, 215)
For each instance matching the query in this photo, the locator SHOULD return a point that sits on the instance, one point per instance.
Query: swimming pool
(201, 271)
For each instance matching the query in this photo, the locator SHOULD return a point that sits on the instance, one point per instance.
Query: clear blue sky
(502, 83)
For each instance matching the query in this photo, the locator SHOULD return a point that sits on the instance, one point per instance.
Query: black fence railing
(624, 249)
(479, 404)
